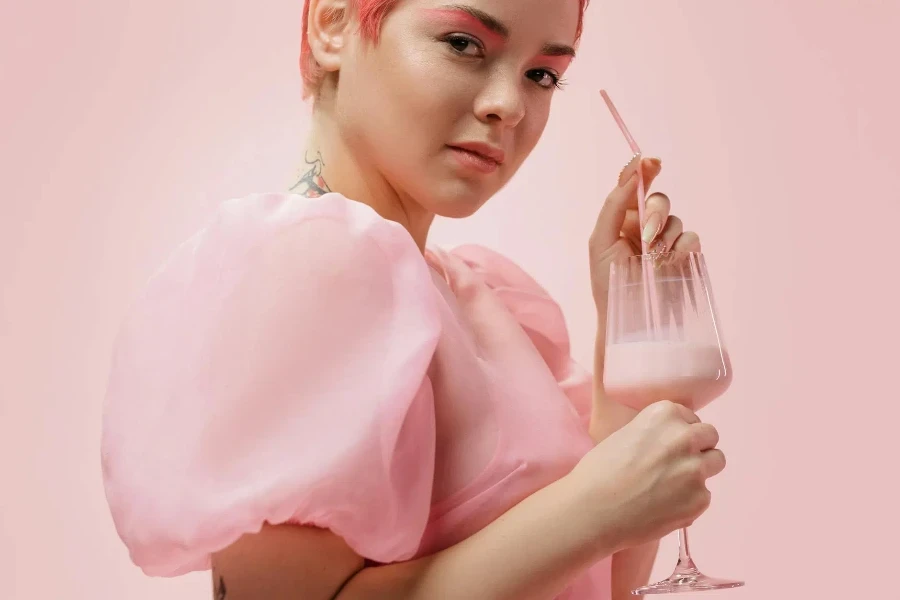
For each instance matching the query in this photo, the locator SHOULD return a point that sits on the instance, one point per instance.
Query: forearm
(532, 552)
(607, 416)
(631, 567)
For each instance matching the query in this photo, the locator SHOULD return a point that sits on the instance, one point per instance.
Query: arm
(530, 553)
(630, 567)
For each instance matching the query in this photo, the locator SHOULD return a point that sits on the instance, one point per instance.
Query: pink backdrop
(123, 124)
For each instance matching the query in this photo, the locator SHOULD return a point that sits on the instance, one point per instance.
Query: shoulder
(274, 247)
(331, 228)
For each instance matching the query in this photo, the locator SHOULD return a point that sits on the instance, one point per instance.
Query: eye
(464, 45)
(545, 79)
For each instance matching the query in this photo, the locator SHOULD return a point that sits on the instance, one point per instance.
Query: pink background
(123, 124)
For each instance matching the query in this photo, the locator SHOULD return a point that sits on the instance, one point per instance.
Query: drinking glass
(663, 342)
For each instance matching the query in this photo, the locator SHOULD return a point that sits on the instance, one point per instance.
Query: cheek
(401, 110)
(416, 101)
(532, 126)
(423, 89)
(373, 105)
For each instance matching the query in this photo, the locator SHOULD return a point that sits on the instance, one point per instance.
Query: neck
(329, 165)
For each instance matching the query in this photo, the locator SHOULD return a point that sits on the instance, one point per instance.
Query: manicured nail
(651, 229)
(629, 170)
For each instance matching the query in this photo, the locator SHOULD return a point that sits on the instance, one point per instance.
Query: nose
(501, 101)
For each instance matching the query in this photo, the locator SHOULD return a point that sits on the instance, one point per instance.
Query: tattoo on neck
(311, 183)
(219, 590)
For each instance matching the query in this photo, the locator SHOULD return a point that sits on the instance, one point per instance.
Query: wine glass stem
(684, 551)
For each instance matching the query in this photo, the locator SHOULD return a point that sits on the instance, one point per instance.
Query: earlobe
(327, 30)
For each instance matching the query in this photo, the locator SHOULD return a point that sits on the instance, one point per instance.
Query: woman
(314, 403)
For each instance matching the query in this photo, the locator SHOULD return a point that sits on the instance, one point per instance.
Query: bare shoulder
(284, 562)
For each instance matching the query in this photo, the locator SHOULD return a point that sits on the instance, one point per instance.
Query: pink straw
(650, 300)
(642, 200)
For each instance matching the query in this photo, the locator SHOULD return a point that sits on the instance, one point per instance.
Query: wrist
(595, 526)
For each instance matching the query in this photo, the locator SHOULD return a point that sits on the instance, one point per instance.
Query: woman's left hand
(618, 231)
(617, 234)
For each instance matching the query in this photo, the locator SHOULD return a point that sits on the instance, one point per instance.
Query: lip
(485, 151)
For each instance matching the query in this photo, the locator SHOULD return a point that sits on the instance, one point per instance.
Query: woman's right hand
(649, 478)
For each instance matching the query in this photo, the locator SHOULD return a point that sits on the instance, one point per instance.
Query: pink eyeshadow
(466, 22)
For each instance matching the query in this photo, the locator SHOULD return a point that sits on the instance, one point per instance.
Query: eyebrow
(498, 27)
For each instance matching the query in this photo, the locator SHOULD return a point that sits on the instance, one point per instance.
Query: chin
(455, 206)
(456, 198)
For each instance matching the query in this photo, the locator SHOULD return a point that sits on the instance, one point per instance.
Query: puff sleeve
(539, 315)
(274, 370)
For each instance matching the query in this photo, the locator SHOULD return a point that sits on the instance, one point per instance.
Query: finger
(622, 198)
(669, 235)
(671, 289)
(665, 239)
(656, 215)
(713, 462)
(686, 414)
(650, 169)
(704, 437)
(631, 229)
(687, 242)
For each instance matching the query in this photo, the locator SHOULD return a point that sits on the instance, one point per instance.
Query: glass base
(687, 578)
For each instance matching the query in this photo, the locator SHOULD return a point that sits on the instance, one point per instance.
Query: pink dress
(298, 361)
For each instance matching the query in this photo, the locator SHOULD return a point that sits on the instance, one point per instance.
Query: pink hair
(371, 15)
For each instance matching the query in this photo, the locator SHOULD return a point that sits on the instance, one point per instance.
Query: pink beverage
(638, 374)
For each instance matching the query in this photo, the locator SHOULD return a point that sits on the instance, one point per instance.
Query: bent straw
(634, 148)
(651, 306)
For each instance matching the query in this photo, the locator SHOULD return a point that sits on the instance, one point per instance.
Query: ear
(328, 28)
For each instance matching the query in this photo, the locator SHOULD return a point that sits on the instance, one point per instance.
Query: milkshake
(638, 374)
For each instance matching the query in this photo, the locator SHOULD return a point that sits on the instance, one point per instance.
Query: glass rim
(657, 256)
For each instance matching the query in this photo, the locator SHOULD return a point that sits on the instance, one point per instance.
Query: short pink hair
(371, 15)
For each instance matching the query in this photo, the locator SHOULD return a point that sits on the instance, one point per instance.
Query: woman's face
(454, 96)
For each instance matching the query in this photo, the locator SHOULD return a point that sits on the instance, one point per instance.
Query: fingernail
(656, 160)
(659, 247)
(651, 228)
(629, 170)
